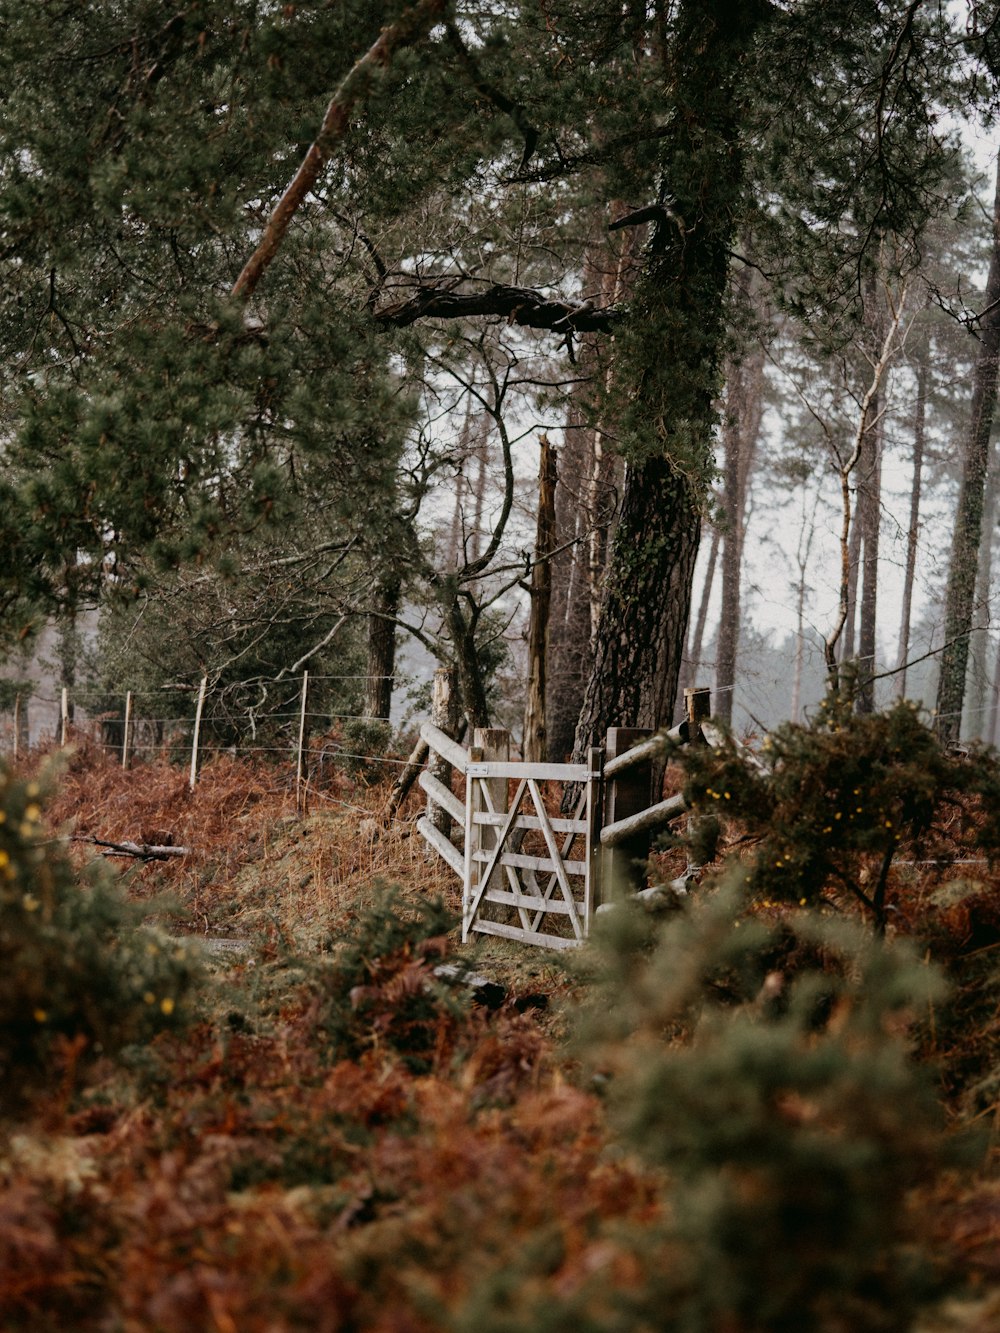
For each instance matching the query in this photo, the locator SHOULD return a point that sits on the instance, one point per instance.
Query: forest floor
(280, 1164)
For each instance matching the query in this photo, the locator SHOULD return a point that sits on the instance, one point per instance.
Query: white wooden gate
(529, 875)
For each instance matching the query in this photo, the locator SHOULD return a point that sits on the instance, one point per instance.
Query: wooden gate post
(592, 813)
(494, 745)
(697, 709)
(624, 795)
(444, 715)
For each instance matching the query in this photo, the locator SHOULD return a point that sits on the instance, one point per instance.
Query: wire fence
(136, 728)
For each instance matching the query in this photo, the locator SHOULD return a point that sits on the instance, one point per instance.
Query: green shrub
(76, 965)
(836, 799)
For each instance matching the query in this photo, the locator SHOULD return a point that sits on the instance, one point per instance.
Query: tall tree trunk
(994, 714)
(638, 651)
(977, 679)
(382, 648)
(847, 643)
(961, 591)
(535, 735)
(913, 532)
(807, 535)
(569, 625)
(585, 501)
(744, 409)
(870, 505)
(869, 521)
(666, 362)
(693, 653)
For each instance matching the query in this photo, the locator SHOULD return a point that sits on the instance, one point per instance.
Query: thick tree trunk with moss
(644, 617)
(382, 649)
(960, 596)
(534, 748)
(665, 378)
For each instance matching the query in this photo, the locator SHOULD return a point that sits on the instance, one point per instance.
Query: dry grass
(254, 866)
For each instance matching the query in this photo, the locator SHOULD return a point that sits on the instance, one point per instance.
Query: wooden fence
(528, 874)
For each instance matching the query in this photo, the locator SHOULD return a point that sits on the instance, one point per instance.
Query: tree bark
(869, 522)
(961, 591)
(991, 729)
(854, 556)
(743, 417)
(569, 639)
(519, 305)
(913, 532)
(870, 509)
(694, 651)
(535, 736)
(807, 535)
(977, 681)
(644, 617)
(382, 648)
(666, 366)
(586, 498)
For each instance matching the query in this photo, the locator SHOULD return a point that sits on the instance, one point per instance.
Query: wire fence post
(64, 717)
(128, 723)
(301, 793)
(17, 725)
(197, 732)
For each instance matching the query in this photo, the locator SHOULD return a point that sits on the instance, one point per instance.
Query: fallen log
(140, 851)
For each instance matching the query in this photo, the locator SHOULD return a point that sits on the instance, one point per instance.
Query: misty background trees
(592, 348)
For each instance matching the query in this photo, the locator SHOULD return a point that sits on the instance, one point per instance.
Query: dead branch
(141, 851)
(519, 305)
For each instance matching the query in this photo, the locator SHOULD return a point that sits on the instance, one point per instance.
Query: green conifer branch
(409, 28)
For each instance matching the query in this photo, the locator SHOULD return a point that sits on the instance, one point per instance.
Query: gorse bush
(76, 965)
(836, 799)
(791, 1118)
(766, 1072)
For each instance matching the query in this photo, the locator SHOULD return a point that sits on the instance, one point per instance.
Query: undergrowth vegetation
(772, 1109)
